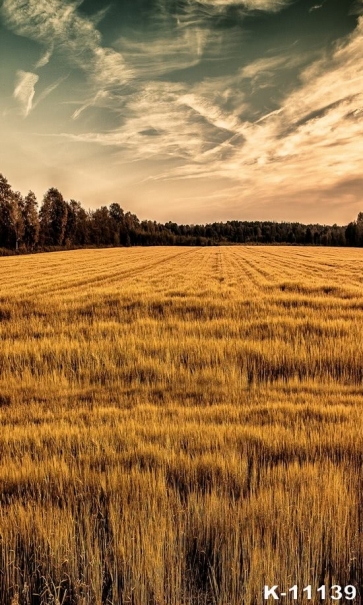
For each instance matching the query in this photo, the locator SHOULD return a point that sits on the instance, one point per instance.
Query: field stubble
(180, 426)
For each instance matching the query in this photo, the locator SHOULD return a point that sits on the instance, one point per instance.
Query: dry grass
(180, 426)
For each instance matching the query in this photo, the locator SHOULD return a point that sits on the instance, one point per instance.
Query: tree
(117, 219)
(71, 224)
(17, 218)
(129, 234)
(76, 232)
(291, 237)
(308, 236)
(101, 227)
(31, 221)
(354, 232)
(11, 218)
(53, 219)
(5, 212)
(116, 213)
(359, 230)
(82, 226)
(350, 234)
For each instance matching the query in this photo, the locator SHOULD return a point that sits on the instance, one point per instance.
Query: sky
(186, 110)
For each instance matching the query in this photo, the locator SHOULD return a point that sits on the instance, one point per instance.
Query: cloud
(268, 65)
(44, 59)
(267, 5)
(172, 48)
(25, 89)
(48, 90)
(165, 124)
(98, 100)
(156, 126)
(311, 143)
(305, 140)
(313, 138)
(263, 5)
(212, 113)
(57, 23)
(356, 8)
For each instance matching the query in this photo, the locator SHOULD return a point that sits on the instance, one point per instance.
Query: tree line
(56, 223)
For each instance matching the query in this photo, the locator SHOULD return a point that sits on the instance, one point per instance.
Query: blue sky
(186, 110)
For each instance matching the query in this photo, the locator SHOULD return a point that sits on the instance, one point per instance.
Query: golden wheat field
(180, 426)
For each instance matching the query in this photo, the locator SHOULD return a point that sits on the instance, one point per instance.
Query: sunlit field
(180, 426)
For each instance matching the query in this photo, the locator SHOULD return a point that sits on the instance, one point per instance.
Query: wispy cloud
(58, 23)
(212, 113)
(47, 91)
(25, 90)
(180, 98)
(269, 65)
(157, 126)
(267, 5)
(44, 59)
(178, 49)
(312, 142)
(100, 99)
(263, 5)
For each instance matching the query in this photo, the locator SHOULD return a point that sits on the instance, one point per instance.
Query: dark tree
(11, 216)
(6, 197)
(31, 221)
(101, 227)
(53, 219)
(71, 224)
(76, 232)
(61, 223)
(117, 213)
(308, 236)
(117, 222)
(17, 218)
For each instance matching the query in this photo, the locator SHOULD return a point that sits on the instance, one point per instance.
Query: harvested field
(180, 426)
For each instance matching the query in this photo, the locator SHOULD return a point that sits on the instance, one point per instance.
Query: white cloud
(269, 65)
(264, 5)
(44, 59)
(312, 140)
(47, 91)
(267, 5)
(57, 23)
(205, 130)
(311, 143)
(98, 100)
(25, 89)
(164, 52)
(212, 113)
(157, 126)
